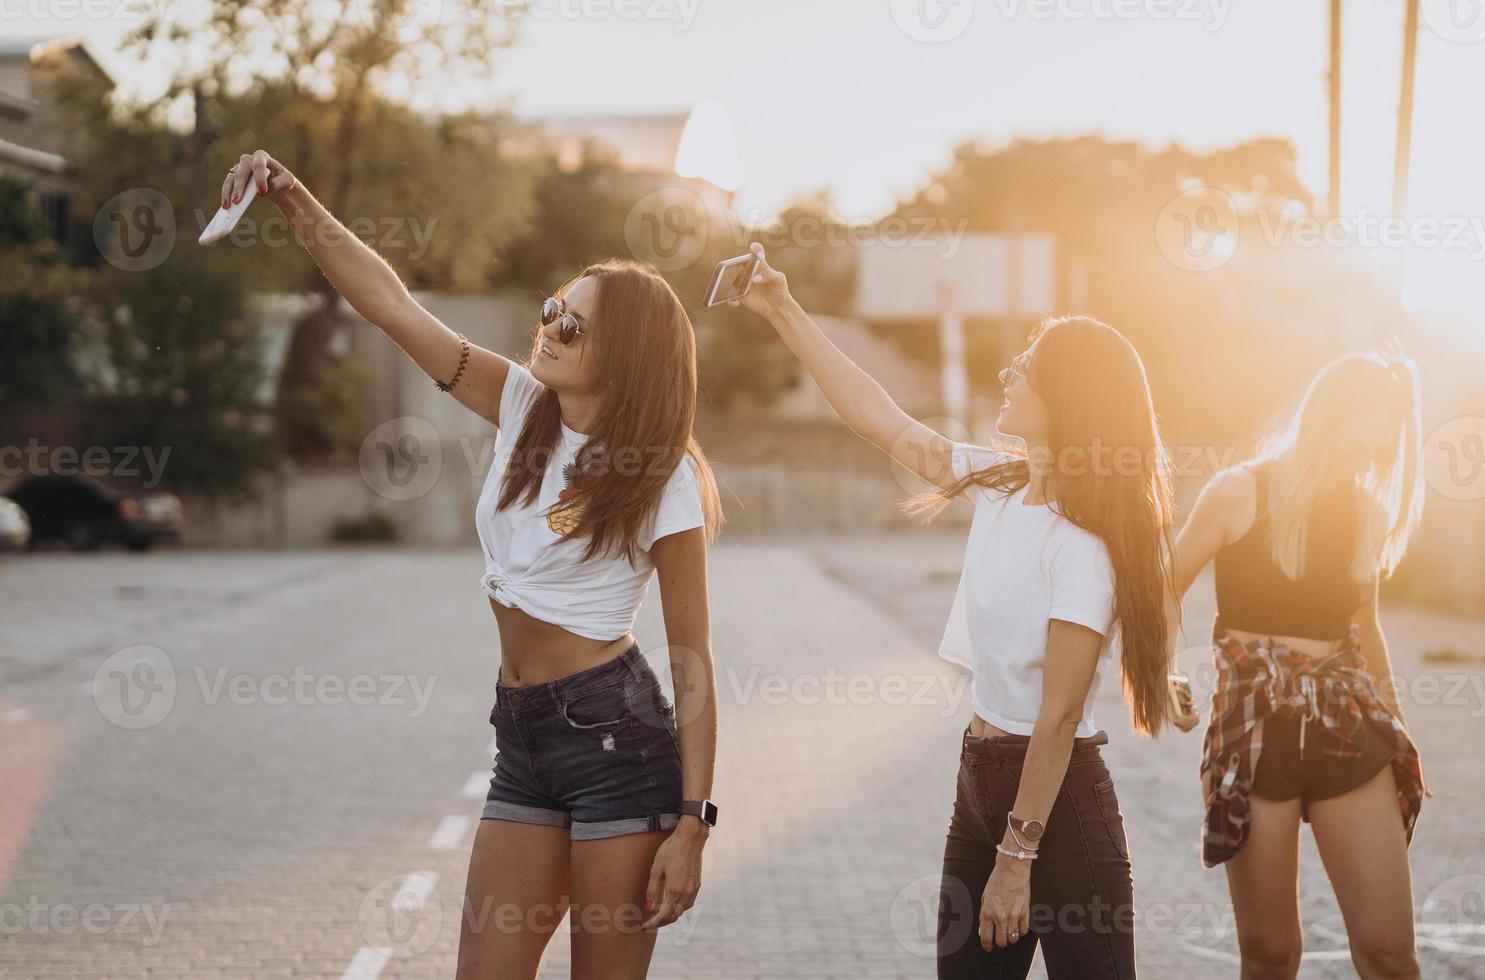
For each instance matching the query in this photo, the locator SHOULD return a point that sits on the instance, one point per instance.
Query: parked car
(15, 527)
(85, 512)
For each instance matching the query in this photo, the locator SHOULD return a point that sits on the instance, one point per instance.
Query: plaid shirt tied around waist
(1256, 680)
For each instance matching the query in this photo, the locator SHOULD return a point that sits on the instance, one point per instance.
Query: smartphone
(731, 279)
(1182, 701)
(226, 219)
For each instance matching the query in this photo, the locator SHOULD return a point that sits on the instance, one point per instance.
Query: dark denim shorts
(1317, 773)
(595, 751)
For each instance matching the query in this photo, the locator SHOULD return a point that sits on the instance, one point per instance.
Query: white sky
(834, 93)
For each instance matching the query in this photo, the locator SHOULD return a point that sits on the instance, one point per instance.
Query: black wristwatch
(706, 810)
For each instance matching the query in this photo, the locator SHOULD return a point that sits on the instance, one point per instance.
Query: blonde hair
(1304, 457)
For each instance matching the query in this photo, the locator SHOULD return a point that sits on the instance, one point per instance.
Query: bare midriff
(1308, 646)
(535, 652)
(980, 728)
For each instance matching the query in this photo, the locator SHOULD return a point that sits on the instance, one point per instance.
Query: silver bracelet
(1023, 855)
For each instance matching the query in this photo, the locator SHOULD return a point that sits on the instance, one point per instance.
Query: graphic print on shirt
(564, 516)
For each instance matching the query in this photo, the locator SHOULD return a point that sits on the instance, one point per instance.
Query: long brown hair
(646, 354)
(1107, 474)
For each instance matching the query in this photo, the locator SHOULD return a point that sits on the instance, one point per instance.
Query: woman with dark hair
(1300, 730)
(1066, 564)
(598, 802)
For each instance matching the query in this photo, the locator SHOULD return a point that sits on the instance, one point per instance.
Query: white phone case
(226, 219)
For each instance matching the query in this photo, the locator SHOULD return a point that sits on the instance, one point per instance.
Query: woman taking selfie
(598, 802)
(1066, 552)
(1302, 535)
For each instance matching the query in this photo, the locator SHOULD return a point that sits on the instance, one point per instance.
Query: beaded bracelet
(463, 360)
(1023, 855)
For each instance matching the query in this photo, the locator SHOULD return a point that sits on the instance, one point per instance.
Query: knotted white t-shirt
(1023, 566)
(530, 566)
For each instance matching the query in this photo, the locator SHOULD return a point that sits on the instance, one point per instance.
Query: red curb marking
(29, 747)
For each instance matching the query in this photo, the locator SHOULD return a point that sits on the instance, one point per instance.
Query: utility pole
(1402, 161)
(1333, 201)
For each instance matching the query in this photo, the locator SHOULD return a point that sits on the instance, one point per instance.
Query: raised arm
(371, 286)
(856, 397)
(1215, 519)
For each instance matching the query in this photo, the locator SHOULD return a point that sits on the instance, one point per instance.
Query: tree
(37, 364)
(313, 83)
(185, 375)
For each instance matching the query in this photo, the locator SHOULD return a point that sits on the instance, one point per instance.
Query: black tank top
(1255, 595)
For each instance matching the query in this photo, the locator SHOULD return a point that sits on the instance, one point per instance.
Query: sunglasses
(1017, 369)
(551, 312)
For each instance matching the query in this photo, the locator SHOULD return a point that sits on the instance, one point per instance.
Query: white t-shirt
(529, 566)
(1023, 565)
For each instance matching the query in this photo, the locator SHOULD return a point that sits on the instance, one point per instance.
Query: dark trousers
(1082, 887)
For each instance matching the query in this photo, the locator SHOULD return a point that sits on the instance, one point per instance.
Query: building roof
(32, 46)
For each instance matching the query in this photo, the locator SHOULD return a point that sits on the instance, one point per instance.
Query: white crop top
(529, 566)
(1023, 565)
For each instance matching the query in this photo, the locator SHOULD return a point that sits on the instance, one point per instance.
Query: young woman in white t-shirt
(1067, 563)
(598, 802)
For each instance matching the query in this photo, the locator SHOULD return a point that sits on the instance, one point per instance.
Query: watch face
(1032, 829)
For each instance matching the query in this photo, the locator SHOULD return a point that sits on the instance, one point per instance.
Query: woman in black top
(1300, 728)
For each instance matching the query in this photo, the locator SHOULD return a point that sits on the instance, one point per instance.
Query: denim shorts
(1317, 773)
(595, 751)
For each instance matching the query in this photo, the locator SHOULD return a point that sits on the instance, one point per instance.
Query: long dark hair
(646, 354)
(1107, 474)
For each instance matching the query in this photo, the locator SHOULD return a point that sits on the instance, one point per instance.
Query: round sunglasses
(1017, 369)
(551, 312)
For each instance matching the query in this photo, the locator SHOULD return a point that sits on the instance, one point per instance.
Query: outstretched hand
(260, 168)
(770, 289)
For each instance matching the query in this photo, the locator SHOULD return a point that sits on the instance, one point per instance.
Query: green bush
(367, 527)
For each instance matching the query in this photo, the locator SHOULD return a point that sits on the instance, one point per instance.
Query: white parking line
(415, 890)
(477, 786)
(450, 833)
(368, 963)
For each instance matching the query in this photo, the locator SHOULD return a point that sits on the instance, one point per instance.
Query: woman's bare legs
(1264, 881)
(1361, 840)
(609, 878)
(514, 898)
